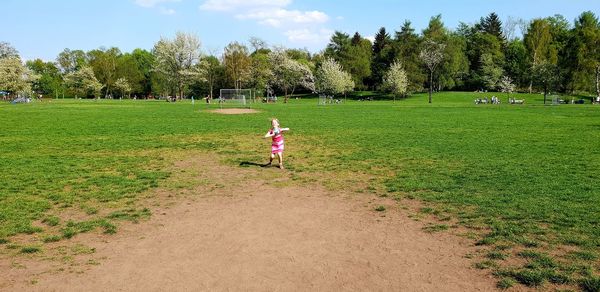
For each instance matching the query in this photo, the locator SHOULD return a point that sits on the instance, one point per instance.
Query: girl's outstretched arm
(284, 129)
(269, 134)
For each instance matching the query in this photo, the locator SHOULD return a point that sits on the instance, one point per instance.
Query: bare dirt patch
(252, 230)
(234, 111)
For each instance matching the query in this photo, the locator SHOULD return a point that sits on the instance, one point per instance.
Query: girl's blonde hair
(274, 120)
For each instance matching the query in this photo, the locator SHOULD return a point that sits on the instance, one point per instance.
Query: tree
(516, 64)
(406, 48)
(237, 63)
(49, 81)
(289, 74)
(382, 56)
(257, 44)
(395, 79)
(70, 61)
(490, 72)
(260, 72)
(83, 82)
(506, 85)
(537, 40)
(123, 85)
(8, 51)
(492, 25)
(331, 79)
(176, 61)
(14, 77)
(213, 71)
(104, 62)
(432, 55)
(585, 53)
(359, 60)
(546, 75)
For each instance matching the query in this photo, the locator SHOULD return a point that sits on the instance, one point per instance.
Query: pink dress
(277, 144)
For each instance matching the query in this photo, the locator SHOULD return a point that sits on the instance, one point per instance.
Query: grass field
(524, 179)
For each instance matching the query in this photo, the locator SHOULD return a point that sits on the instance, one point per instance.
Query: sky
(44, 28)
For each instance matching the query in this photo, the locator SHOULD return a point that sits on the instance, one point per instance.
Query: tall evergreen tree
(382, 57)
(406, 49)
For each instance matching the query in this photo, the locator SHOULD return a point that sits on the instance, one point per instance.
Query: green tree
(406, 48)
(490, 72)
(104, 63)
(382, 57)
(49, 81)
(359, 60)
(516, 64)
(70, 61)
(546, 76)
(538, 40)
(585, 53)
(237, 63)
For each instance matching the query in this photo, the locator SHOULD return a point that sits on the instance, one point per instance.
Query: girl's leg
(280, 157)
(271, 158)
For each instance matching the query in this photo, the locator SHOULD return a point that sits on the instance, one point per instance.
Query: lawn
(524, 178)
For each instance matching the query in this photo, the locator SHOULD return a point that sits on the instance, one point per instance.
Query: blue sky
(43, 28)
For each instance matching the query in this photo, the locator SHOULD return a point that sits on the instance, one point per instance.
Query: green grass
(528, 174)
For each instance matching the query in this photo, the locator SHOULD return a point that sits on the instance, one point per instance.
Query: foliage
(506, 85)
(287, 74)
(123, 86)
(8, 51)
(395, 79)
(490, 72)
(176, 61)
(331, 79)
(431, 55)
(83, 82)
(237, 63)
(14, 77)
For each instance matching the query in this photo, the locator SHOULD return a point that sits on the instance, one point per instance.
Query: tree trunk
(530, 86)
(285, 98)
(598, 80)
(430, 84)
(545, 93)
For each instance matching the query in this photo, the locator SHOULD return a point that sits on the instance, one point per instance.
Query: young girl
(276, 134)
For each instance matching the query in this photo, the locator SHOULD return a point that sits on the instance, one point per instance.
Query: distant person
(276, 134)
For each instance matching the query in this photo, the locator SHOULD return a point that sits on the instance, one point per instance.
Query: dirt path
(263, 238)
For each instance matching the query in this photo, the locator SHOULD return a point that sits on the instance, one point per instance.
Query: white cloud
(340, 18)
(303, 27)
(371, 38)
(229, 5)
(166, 11)
(152, 3)
(305, 35)
(277, 17)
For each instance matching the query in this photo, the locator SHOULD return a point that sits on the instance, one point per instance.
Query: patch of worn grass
(380, 208)
(30, 249)
(435, 227)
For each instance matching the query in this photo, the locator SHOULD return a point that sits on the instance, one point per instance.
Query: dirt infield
(264, 235)
(234, 111)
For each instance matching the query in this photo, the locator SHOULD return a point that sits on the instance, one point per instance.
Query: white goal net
(235, 97)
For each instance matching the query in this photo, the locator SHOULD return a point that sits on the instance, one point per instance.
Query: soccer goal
(235, 97)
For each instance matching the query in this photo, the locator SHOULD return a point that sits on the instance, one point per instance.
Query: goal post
(235, 97)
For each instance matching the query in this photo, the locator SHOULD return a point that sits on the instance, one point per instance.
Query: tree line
(549, 55)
